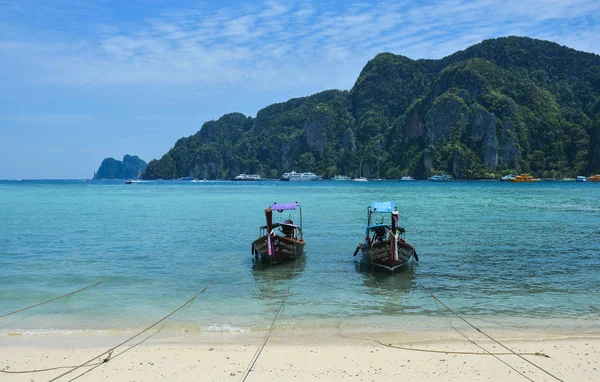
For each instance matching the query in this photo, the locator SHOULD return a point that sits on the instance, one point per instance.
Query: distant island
(131, 167)
(506, 105)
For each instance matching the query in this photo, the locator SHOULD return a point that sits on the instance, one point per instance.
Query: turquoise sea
(506, 255)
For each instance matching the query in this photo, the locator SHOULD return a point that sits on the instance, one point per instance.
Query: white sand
(323, 355)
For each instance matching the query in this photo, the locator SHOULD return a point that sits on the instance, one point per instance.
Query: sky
(83, 80)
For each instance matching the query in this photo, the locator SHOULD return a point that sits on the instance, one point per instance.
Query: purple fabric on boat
(284, 206)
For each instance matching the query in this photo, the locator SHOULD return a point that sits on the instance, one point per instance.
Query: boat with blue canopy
(283, 240)
(385, 245)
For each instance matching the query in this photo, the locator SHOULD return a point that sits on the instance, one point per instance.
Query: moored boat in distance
(280, 241)
(132, 181)
(407, 178)
(507, 178)
(248, 178)
(581, 179)
(384, 245)
(441, 178)
(299, 176)
(360, 179)
(341, 178)
(594, 178)
(525, 178)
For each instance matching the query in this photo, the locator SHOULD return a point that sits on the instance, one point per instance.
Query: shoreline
(330, 356)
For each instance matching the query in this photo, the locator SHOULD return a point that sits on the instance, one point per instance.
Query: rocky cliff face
(505, 105)
(129, 168)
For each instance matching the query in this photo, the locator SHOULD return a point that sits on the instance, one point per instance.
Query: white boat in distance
(299, 176)
(441, 178)
(581, 179)
(361, 179)
(244, 177)
(341, 177)
(407, 178)
(508, 177)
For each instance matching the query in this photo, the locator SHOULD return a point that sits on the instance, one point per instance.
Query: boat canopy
(284, 206)
(383, 207)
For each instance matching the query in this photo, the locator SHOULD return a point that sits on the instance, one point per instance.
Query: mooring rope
(270, 330)
(341, 334)
(88, 365)
(593, 307)
(129, 339)
(117, 355)
(495, 356)
(52, 299)
(488, 336)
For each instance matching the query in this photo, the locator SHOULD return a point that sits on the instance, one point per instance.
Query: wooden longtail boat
(281, 241)
(384, 245)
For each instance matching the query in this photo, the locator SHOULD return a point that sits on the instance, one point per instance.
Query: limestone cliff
(130, 167)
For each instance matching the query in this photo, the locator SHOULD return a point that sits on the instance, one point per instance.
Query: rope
(480, 331)
(47, 301)
(137, 335)
(270, 330)
(593, 307)
(118, 354)
(432, 350)
(487, 352)
(91, 364)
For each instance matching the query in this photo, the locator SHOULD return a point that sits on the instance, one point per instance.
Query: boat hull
(284, 248)
(380, 255)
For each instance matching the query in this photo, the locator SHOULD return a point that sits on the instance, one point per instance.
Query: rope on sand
(495, 356)
(88, 365)
(431, 350)
(109, 351)
(270, 330)
(488, 336)
(52, 299)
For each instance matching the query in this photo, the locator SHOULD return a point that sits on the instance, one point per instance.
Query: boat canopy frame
(280, 207)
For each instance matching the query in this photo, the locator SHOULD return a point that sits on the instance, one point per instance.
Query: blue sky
(84, 80)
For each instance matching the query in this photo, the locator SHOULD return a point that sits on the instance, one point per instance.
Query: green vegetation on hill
(511, 104)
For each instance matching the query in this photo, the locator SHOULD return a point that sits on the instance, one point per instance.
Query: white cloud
(258, 45)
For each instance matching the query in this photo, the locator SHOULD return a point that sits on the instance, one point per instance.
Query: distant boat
(441, 178)
(132, 181)
(594, 178)
(361, 179)
(407, 178)
(248, 178)
(581, 179)
(525, 178)
(299, 176)
(507, 178)
(341, 178)
(196, 180)
(385, 246)
(280, 241)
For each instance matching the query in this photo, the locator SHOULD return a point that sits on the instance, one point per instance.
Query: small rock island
(130, 167)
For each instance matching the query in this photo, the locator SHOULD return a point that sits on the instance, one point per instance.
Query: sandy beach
(328, 356)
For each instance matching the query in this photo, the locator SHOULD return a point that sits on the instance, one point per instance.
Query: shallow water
(497, 253)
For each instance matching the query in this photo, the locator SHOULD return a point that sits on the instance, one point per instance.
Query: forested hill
(511, 104)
